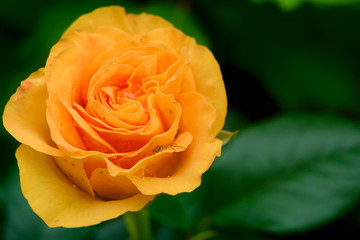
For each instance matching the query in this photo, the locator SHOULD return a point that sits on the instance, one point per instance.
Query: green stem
(138, 225)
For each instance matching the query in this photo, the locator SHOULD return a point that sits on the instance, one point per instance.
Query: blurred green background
(291, 69)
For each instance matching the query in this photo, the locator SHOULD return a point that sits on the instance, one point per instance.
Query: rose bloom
(127, 107)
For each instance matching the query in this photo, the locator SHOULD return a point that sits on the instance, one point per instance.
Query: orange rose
(127, 107)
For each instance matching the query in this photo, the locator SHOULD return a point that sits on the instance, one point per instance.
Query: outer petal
(58, 202)
(187, 177)
(118, 187)
(115, 16)
(144, 23)
(24, 115)
(173, 37)
(209, 82)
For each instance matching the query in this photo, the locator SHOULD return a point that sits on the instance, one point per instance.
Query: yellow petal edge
(24, 115)
(115, 16)
(60, 203)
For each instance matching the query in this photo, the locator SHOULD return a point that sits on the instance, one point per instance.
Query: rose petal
(162, 161)
(128, 160)
(197, 118)
(54, 198)
(115, 16)
(97, 122)
(169, 111)
(74, 169)
(67, 97)
(127, 141)
(144, 22)
(172, 37)
(181, 81)
(62, 129)
(24, 115)
(64, 92)
(209, 82)
(159, 160)
(106, 186)
(188, 176)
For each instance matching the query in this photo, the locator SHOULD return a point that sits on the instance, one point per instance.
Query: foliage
(293, 4)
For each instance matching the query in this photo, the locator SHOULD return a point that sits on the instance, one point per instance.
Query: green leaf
(182, 212)
(226, 136)
(166, 233)
(292, 173)
(289, 5)
(235, 120)
(110, 230)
